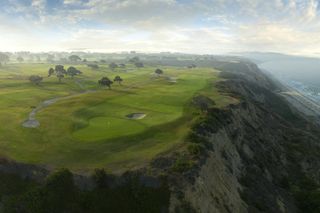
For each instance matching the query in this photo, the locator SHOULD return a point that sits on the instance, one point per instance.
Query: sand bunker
(136, 116)
(172, 79)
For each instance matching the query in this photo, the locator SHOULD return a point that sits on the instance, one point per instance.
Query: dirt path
(32, 122)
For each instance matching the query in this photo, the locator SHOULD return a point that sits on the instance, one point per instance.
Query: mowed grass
(90, 130)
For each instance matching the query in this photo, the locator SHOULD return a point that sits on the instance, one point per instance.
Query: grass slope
(90, 130)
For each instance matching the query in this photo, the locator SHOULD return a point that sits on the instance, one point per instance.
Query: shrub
(193, 137)
(194, 149)
(93, 66)
(100, 178)
(182, 164)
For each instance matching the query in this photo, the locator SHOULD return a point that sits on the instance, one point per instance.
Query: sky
(201, 26)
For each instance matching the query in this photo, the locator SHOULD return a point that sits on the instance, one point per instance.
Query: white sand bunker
(136, 116)
(172, 79)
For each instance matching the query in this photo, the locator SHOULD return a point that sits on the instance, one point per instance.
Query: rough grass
(91, 130)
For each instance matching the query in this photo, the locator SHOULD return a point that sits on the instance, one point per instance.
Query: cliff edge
(260, 155)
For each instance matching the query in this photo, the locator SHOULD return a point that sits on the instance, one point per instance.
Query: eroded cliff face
(254, 151)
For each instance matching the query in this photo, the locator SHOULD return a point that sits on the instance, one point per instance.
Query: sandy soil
(136, 116)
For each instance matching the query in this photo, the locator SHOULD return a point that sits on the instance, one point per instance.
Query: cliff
(259, 156)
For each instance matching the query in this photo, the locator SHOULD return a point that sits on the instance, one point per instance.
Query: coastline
(300, 101)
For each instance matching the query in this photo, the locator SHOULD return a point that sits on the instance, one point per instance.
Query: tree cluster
(20, 59)
(113, 66)
(60, 72)
(72, 71)
(74, 58)
(4, 58)
(192, 66)
(136, 61)
(105, 81)
(93, 66)
(59, 193)
(36, 79)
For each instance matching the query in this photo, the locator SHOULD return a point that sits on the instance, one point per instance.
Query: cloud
(202, 26)
(179, 39)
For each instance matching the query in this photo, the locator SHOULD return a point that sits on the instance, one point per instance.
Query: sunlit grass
(92, 130)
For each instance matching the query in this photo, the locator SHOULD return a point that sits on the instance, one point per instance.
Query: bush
(194, 149)
(93, 66)
(60, 191)
(100, 178)
(193, 137)
(182, 164)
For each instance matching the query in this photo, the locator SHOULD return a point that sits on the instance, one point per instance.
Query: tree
(118, 79)
(100, 178)
(74, 58)
(138, 64)
(35, 79)
(59, 191)
(158, 71)
(60, 76)
(50, 72)
(134, 60)
(63, 60)
(105, 81)
(31, 57)
(192, 66)
(113, 65)
(20, 59)
(93, 66)
(72, 71)
(50, 58)
(59, 71)
(4, 58)
(103, 61)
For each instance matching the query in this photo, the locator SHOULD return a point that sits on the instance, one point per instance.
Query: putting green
(107, 127)
(88, 130)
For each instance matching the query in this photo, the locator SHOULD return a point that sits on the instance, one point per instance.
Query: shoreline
(301, 102)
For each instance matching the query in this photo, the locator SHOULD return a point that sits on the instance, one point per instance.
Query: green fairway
(89, 127)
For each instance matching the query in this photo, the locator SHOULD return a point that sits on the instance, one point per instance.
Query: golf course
(82, 125)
